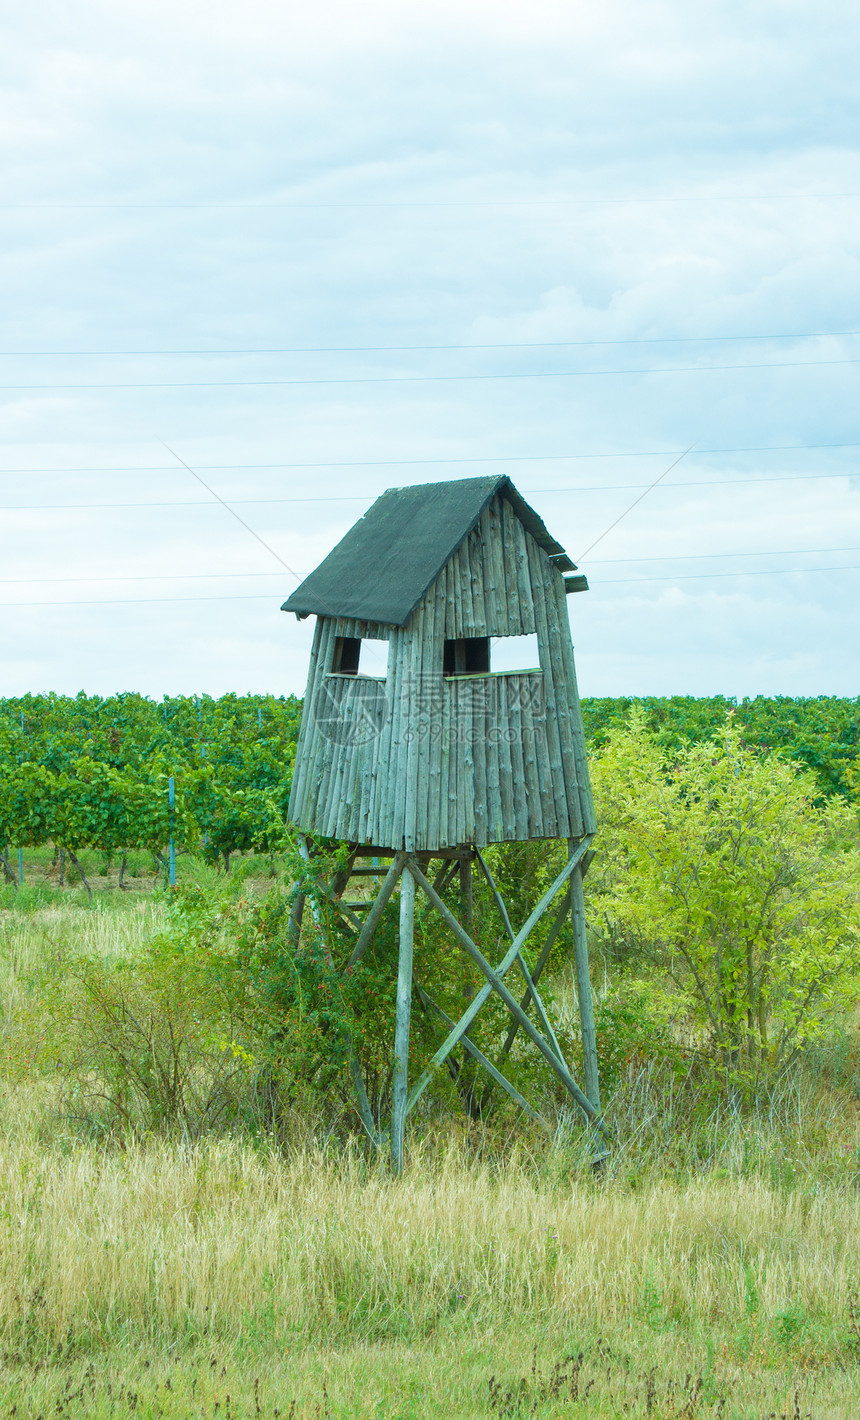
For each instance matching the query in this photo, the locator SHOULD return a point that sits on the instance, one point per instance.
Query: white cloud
(503, 119)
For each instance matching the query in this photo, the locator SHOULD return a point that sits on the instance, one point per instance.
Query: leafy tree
(721, 868)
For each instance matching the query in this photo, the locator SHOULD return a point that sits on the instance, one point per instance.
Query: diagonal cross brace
(481, 1058)
(531, 988)
(495, 983)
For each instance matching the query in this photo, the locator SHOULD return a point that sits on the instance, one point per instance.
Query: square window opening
(510, 654)
(354, 655)
(467, 655)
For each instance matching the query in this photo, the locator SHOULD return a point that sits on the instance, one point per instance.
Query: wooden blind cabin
(420, 739)
(440, 749)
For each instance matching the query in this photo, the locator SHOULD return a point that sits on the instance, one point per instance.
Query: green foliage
(821, 732)
(722, 870)
(634, 1026)
(93, 772)
(158, 1041)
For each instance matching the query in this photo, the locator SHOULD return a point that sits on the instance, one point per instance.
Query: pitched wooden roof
(385, 564)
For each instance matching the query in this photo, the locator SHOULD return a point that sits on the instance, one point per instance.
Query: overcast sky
(604, 199)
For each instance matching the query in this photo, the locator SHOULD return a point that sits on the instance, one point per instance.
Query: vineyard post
(20, 850)
(171, 800)
(202, 759)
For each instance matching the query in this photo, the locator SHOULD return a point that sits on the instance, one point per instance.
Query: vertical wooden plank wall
(477, 760)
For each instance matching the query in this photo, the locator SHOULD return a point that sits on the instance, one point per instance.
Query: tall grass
(712, 1270)
(168, 1243)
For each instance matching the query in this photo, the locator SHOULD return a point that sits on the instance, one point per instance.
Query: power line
(148, 577)
(382, 206)
(149, 601)
(635, 503)
(593, 562)
(705, 556)
(431, 379)
(365, 497)
(416, 463)
(483, 345)
(609, 582)
(277, 556)
(701, 576)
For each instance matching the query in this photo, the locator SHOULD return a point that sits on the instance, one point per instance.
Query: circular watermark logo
(351, 712)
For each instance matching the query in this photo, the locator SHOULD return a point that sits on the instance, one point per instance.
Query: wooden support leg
(583, 985)
(401, 1028)
(294, 926)
(374, 916)
(466, 904)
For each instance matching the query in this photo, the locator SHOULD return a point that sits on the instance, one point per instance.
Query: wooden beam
(481, 1058)
(575, 584)
(583, 988)
(402, 1017)
(497, 896)
(372, 920)
(558, 923)
(294, 925)
(531, 989)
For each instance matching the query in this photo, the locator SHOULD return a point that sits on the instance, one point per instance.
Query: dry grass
(168, 1243)
(168, 1250)
(163, 1280)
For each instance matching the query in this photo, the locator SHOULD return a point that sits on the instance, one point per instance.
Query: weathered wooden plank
(477, 571)
(518, 769)
(464, 571)
(509, 553)
(397, 780)
(403, 1010)
(323, 749)
(455, 761)
(524, 581)
(467, 732)
(344, 694)
(412, 735)
(421, 715)
(378, 820)
(562, 655)
(455, 585)
(434, 691)
(373, 918)
(554, 768)
(583, 985)
(479, 772)
(306, 732)
(586, 801)
(530, 691)
(501, 618)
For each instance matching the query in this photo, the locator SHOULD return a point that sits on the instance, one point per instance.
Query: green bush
(724, 876)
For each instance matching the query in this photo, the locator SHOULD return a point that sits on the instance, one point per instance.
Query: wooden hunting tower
(422, 738)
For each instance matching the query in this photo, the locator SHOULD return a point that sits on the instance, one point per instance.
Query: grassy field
(713, 1271)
